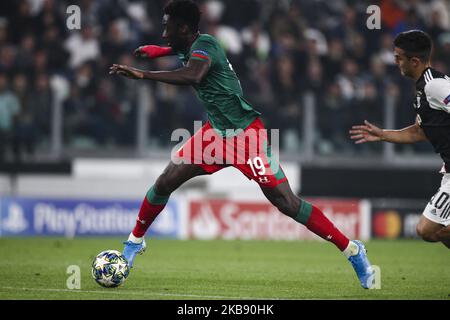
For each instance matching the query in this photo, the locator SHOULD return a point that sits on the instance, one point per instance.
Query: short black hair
(415, 43)
(185, 12)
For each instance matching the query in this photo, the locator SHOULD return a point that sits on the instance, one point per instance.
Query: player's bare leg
(444, 236)
(283, 198)
(313, 218)
(303, 212)
(433, 232)
(173, 176)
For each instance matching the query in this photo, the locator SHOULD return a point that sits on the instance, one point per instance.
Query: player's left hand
(366, 133)
(126, 71)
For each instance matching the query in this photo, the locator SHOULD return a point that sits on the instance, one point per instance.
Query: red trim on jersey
(153, 51)
(197, 55)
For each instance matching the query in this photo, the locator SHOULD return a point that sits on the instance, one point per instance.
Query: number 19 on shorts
(257, 164)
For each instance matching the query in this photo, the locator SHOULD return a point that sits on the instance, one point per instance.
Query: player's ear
(415, 61)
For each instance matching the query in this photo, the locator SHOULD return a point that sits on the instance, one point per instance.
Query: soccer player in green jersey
(230, 117)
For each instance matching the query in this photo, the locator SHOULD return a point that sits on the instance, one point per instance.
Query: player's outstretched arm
(151, 51)
(371, 133)
(192, 74)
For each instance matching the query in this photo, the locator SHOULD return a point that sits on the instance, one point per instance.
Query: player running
(206, 68)
(432, 104)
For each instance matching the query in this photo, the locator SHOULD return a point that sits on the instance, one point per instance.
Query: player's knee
(425, 234)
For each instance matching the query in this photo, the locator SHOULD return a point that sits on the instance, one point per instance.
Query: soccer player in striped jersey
(412, 51)
(230, 116)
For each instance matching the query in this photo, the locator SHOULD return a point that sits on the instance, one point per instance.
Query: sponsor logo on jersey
(447, 100)
(264, 180)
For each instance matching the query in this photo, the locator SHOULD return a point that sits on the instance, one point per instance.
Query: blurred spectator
(84, 78)
(9, 109)
(257, 40)
(279, 49)
(75, 114)
(386, 53)
(3, 31)
(442, 51)
(358, 50)
(410, 22)
(7, 58)
(40, 63)
(50, 16)
(41, 99)
(111, 120)
(331, 114)
(57, 54)
(25, 53)
(335, 56)
(115, 42)
(392, 13)
(82, 46)
(22, 22)
(166, 106)
(285, 83)
(437, 13)
(25, 131)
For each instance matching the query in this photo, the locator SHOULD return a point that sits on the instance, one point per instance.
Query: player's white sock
(351, 249)
(134, 239)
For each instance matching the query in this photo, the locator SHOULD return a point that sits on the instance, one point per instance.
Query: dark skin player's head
(412, 51)
(180, 22)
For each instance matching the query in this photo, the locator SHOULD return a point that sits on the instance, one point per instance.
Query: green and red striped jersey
(220, 91)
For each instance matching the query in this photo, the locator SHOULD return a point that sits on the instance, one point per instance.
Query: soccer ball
(110, 268)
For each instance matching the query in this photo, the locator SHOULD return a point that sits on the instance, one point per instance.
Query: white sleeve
(437, 92)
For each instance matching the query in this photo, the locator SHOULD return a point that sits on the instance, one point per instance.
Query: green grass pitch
(35, 268)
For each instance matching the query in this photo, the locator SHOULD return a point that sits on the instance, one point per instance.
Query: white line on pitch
(138, 293)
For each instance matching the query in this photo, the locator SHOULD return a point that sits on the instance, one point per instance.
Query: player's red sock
(152, 205)
(314, 219)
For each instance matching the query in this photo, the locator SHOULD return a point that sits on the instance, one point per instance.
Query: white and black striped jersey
(432, 104)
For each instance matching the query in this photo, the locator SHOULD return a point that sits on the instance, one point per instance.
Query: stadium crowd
(280, 49)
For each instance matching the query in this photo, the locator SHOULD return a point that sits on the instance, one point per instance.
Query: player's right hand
(366, 133)
(126, 71)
